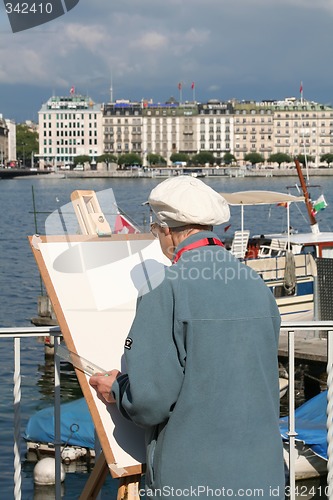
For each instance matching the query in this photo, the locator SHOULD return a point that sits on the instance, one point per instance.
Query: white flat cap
(183, 200)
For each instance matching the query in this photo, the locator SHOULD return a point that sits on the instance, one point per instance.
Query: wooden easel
(89, 214)
(128, 488)
(55, 256)
(92, 221)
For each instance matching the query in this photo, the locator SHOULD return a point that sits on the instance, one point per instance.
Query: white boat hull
(307, 464)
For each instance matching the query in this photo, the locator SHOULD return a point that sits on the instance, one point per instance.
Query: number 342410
(25, 8)
(306, 491)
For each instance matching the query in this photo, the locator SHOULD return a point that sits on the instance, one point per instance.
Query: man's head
(182, 206)
(185, 200)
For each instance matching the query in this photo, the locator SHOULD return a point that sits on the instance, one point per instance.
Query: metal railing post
(17, 420)
(57, 420)
(291, 428)
(330, 415)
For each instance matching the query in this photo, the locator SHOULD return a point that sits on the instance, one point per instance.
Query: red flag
(192, 86)
(179, 85)
(227, 227)
(301, 88)
(122, 225)
(72, 90)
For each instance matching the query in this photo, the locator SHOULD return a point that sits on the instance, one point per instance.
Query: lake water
(20, 286)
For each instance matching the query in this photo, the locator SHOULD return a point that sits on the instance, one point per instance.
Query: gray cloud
(230, 48)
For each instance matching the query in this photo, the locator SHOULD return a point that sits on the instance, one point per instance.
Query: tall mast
(309, 207)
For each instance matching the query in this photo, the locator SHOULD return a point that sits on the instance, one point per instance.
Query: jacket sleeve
(149, 391)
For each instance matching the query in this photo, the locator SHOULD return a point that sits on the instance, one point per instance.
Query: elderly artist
(201, 355)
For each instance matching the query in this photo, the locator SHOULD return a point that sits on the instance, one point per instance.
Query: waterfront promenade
(215, 172)
(208, 172)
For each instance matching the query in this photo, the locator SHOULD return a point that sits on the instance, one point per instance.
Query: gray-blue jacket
(203, 379)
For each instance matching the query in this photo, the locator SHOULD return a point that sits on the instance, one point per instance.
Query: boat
(288, 262)
(77, 433)
(283, 384)
(311, 438)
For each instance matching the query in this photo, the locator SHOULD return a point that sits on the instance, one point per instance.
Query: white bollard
(44, 472)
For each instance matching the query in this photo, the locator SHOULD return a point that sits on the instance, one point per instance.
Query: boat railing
(273, 268)
(21, 334)
(287, 328)
(290, 329)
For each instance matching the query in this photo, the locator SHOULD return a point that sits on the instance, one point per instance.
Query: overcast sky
(247, 49)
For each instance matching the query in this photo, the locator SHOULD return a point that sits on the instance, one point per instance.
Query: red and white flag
(72, 90)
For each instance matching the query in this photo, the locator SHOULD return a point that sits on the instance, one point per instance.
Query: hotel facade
(69, 127)
(75, 125)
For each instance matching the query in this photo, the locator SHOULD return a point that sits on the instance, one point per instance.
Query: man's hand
(102, 383)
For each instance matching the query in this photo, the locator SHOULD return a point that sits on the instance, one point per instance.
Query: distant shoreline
(233, 172)
(210, 173)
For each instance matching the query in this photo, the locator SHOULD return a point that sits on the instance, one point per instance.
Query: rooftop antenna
(111, 90)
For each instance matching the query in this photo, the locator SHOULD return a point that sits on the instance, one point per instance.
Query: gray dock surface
(314, 349)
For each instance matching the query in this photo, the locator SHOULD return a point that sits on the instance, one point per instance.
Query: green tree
(327, 157)
(202, 158)
(154, 159)
(26, 144)
(179, 157)
(279, 158)
(129, 159)
(228, 158)
(304, 159)
(81, 159)
(107, 158)
(254, 158)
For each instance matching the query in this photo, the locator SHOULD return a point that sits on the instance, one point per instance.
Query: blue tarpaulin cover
(310, 424)
(77, 428)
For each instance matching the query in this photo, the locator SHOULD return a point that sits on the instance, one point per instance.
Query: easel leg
(96, 479)
(129, 488)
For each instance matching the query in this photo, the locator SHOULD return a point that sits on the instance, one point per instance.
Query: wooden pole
(96, 479)
(129, 487)
(308, 203)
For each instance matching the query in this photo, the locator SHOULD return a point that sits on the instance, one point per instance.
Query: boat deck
(307, 348)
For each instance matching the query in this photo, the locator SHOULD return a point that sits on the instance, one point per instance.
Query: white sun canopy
(247, 198)
(260, 198)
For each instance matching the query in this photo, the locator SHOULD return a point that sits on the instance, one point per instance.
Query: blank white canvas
(97, 284)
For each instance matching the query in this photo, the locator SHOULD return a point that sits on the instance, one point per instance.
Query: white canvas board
(97, 285)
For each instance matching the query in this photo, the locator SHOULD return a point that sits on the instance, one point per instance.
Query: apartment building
(146, 127)
(69, 126)
(304, 128)
(122, 127)
(216, 128)
(168, 128)
(290, 126)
